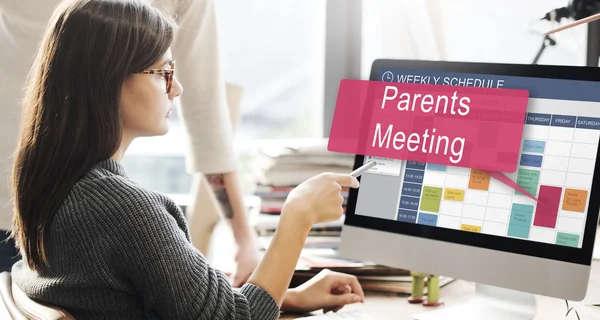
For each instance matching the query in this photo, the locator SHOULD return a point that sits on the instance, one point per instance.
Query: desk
(459, 291)
(397, 308)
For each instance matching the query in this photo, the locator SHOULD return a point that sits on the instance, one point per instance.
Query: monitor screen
(557, 161)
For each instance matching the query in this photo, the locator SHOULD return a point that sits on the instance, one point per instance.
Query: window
(275, 51)
(467, 30)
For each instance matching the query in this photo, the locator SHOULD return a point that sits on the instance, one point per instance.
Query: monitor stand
(489, 303)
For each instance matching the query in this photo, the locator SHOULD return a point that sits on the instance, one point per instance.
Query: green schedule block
(567, 239)
(430, 199)
(529, 180)
(520, 220)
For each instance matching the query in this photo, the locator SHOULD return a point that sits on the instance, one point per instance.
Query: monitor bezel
(581, 255)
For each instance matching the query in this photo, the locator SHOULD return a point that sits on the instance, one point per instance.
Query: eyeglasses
(167, 73)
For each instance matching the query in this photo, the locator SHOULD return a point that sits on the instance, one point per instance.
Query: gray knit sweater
(119, 251)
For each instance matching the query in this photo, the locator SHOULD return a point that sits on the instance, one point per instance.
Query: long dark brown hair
(71, 105)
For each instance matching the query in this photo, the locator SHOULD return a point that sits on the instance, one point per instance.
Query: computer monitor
(460, 223)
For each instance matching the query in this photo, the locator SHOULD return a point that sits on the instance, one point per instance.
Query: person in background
(205, 114)
(204, 111)
(97, 244)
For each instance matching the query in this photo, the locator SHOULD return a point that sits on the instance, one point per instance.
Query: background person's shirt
(202, 106)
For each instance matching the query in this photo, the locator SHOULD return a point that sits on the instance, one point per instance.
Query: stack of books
(279, 169)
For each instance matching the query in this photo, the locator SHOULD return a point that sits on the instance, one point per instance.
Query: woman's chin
(162, 130)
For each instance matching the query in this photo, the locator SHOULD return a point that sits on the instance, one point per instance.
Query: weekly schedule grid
(557, 159)
(556, 164)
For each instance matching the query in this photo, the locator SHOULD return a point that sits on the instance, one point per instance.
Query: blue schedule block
(407, 216)
(427, 219)
(415, 176)
(534, 146)
(531, 160)
(410, 203)
(415, 165)
(411, 189)
(436, 167)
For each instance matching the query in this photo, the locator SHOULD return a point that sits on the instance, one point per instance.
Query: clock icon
(387, 76)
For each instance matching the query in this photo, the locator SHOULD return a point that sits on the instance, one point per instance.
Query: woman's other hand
(327, 291)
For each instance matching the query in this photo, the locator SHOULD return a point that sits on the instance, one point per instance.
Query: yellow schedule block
(470, 228)
(454, 194)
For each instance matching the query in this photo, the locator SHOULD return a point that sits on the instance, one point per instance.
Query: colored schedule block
(454, 194)
(574, 200)
(528, 179)
(547, 211)
(531, 160)
(534, 146)
(427, 219)
(479, 180)
(407, 216)
(431, 199)
(567, 239)
(436, 167)
(470, 228)
(520, 220)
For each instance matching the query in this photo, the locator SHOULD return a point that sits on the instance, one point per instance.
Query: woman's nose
(176, 90)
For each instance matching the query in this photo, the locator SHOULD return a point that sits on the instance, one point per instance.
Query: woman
(97, 244)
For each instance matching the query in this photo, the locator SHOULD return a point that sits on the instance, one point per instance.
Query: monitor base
(489, 303)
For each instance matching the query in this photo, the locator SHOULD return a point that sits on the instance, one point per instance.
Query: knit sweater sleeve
(152, 252)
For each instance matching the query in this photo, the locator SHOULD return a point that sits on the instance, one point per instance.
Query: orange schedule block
(479, 180)
(574, 200)
(470, 228)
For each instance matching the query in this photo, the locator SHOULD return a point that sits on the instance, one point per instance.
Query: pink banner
(469, 127)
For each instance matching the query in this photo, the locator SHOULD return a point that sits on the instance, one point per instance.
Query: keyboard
(351, 315)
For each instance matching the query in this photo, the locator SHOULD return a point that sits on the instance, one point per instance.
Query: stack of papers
(279, 169)
(289, 165)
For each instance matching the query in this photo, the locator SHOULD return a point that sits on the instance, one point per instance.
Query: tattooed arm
(224, 193)
(228, 192)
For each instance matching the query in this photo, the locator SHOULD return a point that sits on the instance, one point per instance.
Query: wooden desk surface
(459, 291)
(397, 308)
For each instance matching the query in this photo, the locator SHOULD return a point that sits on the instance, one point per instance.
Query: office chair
(18, 306)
